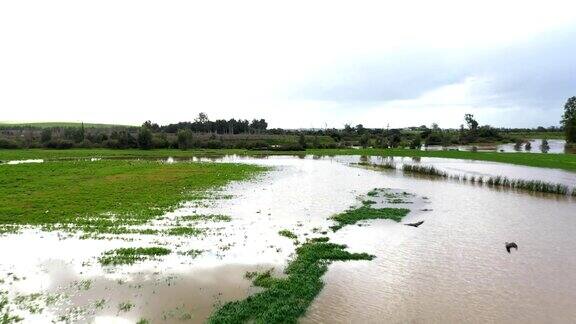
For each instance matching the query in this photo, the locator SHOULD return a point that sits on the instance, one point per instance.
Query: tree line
(242, 133)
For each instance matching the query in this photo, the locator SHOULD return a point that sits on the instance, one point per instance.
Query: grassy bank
(556, 161)
(101, 195)
(532, 135)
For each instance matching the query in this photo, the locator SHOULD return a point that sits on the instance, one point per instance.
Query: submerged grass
(6, 317)
(101, 196)
(185, 231)
(213, 218)
(366, 212)
(131, 255)
(288, 234)
(284, 300)
(496, 181)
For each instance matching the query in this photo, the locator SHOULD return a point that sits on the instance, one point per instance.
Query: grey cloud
(538, 73)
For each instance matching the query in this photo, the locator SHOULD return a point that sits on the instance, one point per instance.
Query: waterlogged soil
(452, 268)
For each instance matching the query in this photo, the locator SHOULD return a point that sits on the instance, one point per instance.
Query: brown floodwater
(453, 268)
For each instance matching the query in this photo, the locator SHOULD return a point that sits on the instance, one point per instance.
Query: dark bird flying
(415, 224)
(510, 246)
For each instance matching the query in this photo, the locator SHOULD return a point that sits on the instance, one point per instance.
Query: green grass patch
(192, 253)
(6, 317)
(284, 300)
(62, 124)
(105, 196)
(557, 161)
(9, 229)
(131, 255)
(212, 218)
(184, 231)
(365, 212)
(288, 234)
(125, 306)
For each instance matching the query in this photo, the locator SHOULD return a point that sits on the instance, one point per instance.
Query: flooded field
(452, 268)
(555, 146)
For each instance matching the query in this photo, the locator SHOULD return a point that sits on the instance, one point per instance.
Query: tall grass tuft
(386, 165)
(424, 169)
(496, 181)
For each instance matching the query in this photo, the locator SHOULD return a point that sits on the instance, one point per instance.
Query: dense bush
(8, 144)
(59, 144)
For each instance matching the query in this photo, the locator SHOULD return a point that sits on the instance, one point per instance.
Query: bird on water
(510, 246)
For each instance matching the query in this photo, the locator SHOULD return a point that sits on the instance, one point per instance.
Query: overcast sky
(295, 63)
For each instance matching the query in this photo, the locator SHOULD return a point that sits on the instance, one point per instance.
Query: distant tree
(145, 138)
(394, 138)
(202, 123)
(151, 126)
(365, 140)
(360, 129)
(446, 139)
(569, 120)
(461, 132)
(202, 118)
(263, 125)
(416, 142)
(316, 142)
(544, 147)
(348, 129)
(78, 134)
(258, 126)
(184, 139)
(528, 146)
(487, 131)
(518, 145)
(123, 139)
(471, 122)
(46, 135)
(334, 134)
(425, 131)
(302, 140)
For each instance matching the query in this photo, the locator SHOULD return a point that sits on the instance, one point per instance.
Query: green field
(101, 195)
(61, 124)
(537, 135)
(556, 161)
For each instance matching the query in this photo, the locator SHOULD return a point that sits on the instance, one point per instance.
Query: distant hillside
(61, 124)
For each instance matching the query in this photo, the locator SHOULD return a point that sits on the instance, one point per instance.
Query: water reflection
(555, 147)
(13, 162)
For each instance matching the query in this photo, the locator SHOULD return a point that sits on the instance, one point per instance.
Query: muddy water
(453, 268)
